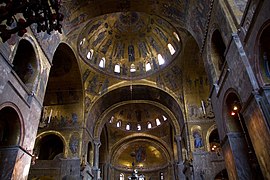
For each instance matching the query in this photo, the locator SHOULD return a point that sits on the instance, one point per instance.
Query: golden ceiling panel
(129, 45)
(144, 154)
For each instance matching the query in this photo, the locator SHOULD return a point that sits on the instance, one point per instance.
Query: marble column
(96, 169)
(180, 165)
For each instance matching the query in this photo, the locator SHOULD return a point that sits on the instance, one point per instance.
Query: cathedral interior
(147, 90)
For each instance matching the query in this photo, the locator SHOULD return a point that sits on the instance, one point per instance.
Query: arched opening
(236, 124)
(214, 141)
(49, 146)
(217, 51)
(265, 54)
(25, 63)
(89, 153)
(9, 127)
(63, 105)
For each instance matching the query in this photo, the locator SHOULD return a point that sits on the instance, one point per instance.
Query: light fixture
(235, 108)
(16, 16)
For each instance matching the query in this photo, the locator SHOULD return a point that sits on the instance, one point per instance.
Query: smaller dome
(128, 45)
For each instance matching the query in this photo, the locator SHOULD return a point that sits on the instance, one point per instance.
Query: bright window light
(171, 49)
(139, 127)
(160, 59)
(102, 63)
(176, 36)
(148, 66)
(164, 118)
(149, 125)
(128, 127)
(118, 124)
(117, 68)
(90, 54)
(132, 68)
(158, 122)
(111, 120)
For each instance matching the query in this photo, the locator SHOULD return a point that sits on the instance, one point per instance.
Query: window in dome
(118, 124)
(102, 63)
(171, 49)
(147, 66)
(149, 125)
(132, 68)
(176, 36)
(158, 122)
(139, 127)
(160, 59)
(90, 54)
(111, 120)
(117, 68)
(122, 177)
(82, 41)
(128, 127)
(164, 118)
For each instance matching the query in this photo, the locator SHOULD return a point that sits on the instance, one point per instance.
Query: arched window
(119, 124)
(111, 120)
(132, 68)
(161, 176)
(102, 62)
(122, 176)
(171, 49)
(25, 63)
(176, 36)
(147, 66)
(139, 127)
(158, 122)
(160, 59)
(117, 68)
(164, 118)
(90, 54)
(128, 127)
(217, 51)
(149, 125)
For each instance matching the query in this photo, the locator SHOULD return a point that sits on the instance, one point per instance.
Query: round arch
(46, 133)
(262, 59)
(104, 116)
(27, 68)
(208, 133)
(19, 124)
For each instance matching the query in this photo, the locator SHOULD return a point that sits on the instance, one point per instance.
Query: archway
(49, 146)
(217, 51)
(10, 127)
(245, 159)
(25, 64)
(10, 140)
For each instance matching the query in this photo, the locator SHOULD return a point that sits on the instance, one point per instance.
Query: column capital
(97, 142)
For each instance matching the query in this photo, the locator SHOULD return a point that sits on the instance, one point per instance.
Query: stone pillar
(96, 169)
(180, 165)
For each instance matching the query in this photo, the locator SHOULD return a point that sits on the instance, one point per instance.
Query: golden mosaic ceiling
(128, 45)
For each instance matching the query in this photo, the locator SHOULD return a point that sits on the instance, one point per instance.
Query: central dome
(128, 45)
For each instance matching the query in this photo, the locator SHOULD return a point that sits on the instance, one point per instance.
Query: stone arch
(104, 116)
(217, 50)
(140, 92)
(262, 60)
(209, 131)
(26, 64)
(12, 130)
(55, 133)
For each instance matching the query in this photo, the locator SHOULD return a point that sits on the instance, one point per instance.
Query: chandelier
(17, 15)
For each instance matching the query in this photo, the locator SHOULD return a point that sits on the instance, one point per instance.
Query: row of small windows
(139, 127)
(117, 67)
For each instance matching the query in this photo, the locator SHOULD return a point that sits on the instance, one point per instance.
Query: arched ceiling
(128, 45)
